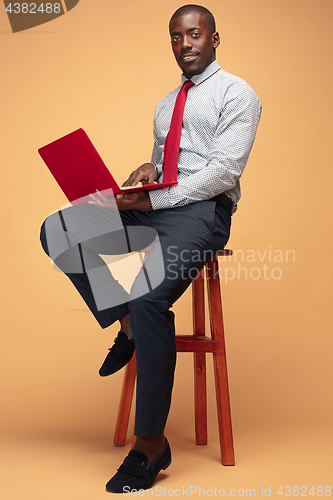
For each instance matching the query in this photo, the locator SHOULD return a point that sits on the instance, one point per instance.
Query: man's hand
(131, 201)
(146, 173)
(134, 201)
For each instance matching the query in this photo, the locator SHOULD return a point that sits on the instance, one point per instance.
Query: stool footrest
(193, 343)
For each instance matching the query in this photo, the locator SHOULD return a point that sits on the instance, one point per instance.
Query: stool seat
(200, 344)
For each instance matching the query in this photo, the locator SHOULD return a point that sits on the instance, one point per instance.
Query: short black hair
(206, 14)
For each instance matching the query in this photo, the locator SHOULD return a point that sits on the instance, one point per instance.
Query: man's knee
(43, 239)
(51, 227)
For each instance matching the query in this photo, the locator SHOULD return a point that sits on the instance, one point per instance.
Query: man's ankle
(150, 446)
(125, 326)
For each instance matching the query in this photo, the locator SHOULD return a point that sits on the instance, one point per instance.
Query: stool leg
(125, 404)
(200, 391)
(200, 398)
(220, 364)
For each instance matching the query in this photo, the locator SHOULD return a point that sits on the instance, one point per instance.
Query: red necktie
(172, 141)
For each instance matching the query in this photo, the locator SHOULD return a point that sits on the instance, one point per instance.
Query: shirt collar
(207, 72)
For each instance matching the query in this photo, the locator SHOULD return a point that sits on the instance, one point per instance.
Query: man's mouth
(188, 57)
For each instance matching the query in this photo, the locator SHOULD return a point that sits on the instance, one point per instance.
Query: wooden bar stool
(199, 344)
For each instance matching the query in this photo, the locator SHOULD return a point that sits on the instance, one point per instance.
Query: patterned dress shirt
(220, 120)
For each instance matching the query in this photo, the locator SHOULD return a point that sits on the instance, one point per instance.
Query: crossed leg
(184, 237)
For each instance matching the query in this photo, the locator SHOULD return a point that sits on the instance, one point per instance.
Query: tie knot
(187, 84)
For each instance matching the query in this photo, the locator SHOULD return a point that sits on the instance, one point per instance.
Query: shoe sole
(167, 465)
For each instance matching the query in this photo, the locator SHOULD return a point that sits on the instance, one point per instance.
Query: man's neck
(212, 68)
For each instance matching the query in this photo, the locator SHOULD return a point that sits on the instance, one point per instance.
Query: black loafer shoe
(135, 473)
(120, 354)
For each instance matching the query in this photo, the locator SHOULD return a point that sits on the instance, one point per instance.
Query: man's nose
(187, 42)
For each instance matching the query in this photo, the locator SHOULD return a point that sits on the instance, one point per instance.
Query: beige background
(104, 66)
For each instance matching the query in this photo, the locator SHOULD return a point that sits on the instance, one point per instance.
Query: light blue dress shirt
(220, 120)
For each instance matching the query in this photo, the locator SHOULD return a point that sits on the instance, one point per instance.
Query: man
(220, 119)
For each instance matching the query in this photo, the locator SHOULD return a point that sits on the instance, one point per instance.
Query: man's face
(192, 44)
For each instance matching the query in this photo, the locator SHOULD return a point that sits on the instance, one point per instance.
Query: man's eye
(176, 39)
(195, 34)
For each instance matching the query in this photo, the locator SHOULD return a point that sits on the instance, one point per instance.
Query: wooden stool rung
(191, 343)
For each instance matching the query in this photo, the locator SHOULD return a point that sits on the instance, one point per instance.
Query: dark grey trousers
(180, 240)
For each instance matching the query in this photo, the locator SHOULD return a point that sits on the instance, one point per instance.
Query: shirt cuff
(160, 199)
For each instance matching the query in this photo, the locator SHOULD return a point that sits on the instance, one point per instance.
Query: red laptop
(79, 170)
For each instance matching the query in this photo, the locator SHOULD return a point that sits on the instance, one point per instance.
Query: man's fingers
(136, 177)
(101, 200)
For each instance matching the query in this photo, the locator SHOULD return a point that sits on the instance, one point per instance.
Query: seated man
(218, 125)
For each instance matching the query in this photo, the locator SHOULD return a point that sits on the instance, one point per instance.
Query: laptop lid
(79, 170)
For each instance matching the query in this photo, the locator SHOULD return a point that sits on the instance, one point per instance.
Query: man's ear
(216, 39)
